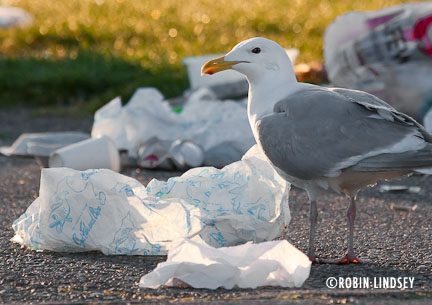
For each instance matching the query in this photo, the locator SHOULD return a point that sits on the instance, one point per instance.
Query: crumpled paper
(220, 128)
(115, 214)
(272, 263)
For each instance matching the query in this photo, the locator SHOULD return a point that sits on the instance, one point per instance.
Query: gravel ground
(393, 231)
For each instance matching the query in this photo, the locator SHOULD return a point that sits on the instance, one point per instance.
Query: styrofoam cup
(87, 154)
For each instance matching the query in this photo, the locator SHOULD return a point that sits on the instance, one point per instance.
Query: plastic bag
(272, 263)
(206, 121)
(106, 211)
(387, 53)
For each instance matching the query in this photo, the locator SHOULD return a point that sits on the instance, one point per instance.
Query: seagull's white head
(259, 59)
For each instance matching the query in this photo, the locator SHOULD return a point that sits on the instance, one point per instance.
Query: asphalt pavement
(393, 231)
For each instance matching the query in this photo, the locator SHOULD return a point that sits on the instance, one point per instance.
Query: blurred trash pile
(387, 53)
(41, 145)
(202, 127)
(150, 133)
(207, 131)
(190, 264)
(115, 214)
(14, 17)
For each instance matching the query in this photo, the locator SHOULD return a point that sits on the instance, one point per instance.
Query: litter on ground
(272, 263)
(220, 128)
(385, 52)
(109, 212)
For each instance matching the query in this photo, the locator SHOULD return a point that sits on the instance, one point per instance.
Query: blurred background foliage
(82, 53)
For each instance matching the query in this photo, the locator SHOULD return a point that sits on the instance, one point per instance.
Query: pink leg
(350, 257)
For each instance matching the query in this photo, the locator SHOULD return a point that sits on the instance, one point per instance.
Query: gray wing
(320, 132)
(372, 102)
(364, 98)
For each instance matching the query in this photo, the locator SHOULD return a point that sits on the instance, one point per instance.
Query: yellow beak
(217, 65)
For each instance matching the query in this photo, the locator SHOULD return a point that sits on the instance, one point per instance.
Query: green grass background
(81, 53)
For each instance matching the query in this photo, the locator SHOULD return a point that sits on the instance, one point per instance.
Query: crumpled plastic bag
(210, 123)
(272, 263)
(387, 53)
(115, 214)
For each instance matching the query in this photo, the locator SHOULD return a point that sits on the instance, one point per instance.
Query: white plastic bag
(387, 53)
(208, 122)
(106, 211)
(272, 263)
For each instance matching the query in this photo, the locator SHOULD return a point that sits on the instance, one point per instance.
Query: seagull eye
(256, 50)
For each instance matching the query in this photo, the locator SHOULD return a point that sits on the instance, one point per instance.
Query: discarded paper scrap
(399, 188)
(272, 263)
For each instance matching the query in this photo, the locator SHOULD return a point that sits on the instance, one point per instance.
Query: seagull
(323, 139)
